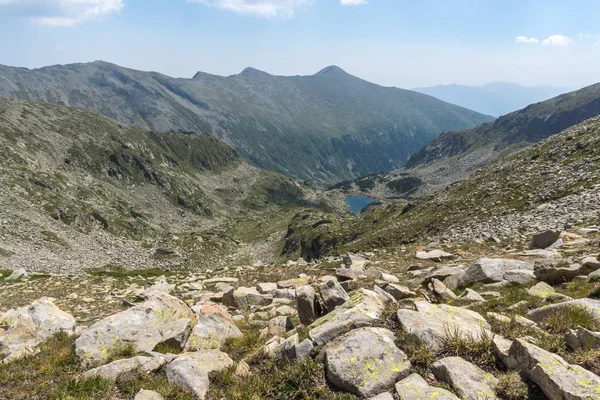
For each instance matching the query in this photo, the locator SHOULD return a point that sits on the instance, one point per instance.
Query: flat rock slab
(416, 388)
(431, 323)
(540, 314)
(365, 362)
(214, 327)
(558, 379)
(140, 326)
(190, 370)
(148, 395)
(362, 310)
(468, 380)
(114, 369)
(491, 270)
(433, 255)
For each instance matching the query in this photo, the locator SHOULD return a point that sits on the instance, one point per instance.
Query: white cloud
(525, 39)
(352, 2)
(60, 12)
(261, 8)
(557, 41)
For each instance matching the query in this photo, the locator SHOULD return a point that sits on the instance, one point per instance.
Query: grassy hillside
(554, 182)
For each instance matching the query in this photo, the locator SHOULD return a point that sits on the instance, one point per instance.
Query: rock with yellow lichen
(140, 327)
(365, 362)
(416, 388)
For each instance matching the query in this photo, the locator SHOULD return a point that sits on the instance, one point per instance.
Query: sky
(403, 43)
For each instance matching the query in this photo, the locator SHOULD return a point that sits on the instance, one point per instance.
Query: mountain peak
(332, 70)
(249, 71)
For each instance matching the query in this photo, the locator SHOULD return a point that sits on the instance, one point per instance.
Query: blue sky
(404, 43)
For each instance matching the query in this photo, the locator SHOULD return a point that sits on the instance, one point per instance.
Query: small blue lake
(357, 203)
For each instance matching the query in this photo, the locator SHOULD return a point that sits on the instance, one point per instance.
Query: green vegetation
(512, 387)
(120, 272)
(477, 349)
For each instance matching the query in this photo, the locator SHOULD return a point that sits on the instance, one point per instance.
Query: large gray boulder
(554, 273)
(31, 325)
(544, 240)
(365, 362)
(542, 313)
(141, 326)
(362, 310)
(190, 370)
(468, 380)
(112, 371)
(354, 261)
(431, 323)
(558, 379)
(333, 294)
(440, 290)
(307, 304)
(491, 270)
(214, 327)
(582, 338)
(243, 298)
(398, 292)
(416, 388)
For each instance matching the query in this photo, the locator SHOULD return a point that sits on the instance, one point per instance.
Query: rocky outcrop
(365, 362)
(190, 370)
(416, 388)
(558, 379)
(141, 327)
(431, 323)
(469, 381)
(490, 270)
(362, 310)
(29, 326)
(213, 328)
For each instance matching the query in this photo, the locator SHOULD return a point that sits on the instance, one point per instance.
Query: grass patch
(166, 348)
(588, 359)
(511, 386)
(570, 318)
(476, 349)
(5, 272)
(300, 381)
(419, 354)
(240, 348)
(131, 383)
(115, 271)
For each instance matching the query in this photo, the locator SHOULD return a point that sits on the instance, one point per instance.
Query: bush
(512, 387)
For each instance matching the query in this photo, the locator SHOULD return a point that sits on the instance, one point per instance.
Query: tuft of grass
(88, 388)
(588, 359)
(122, 351)
(419, 354)
(249, 343)
(511, 386)
(131, 383)
(477, 349)
(570, 318)
(166, 348)
(300, 381)
(4, 273)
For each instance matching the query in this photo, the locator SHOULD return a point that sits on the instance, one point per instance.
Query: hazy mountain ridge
(498, 98)
(326, 127)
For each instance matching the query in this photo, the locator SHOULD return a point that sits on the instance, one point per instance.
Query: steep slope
(552, 183)
(326, 127)
(529, 125)
(82, 191)
(455, 155)
(498, 98)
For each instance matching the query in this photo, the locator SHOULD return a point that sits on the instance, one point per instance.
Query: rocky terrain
(81, 191)
(325, 127)
(453, 320)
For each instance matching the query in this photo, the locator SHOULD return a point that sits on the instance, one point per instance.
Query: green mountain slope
(326, 127)
(552, 183)
(82, 191)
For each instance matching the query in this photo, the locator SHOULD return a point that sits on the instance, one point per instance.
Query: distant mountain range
(325, 127)
(498, 98)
